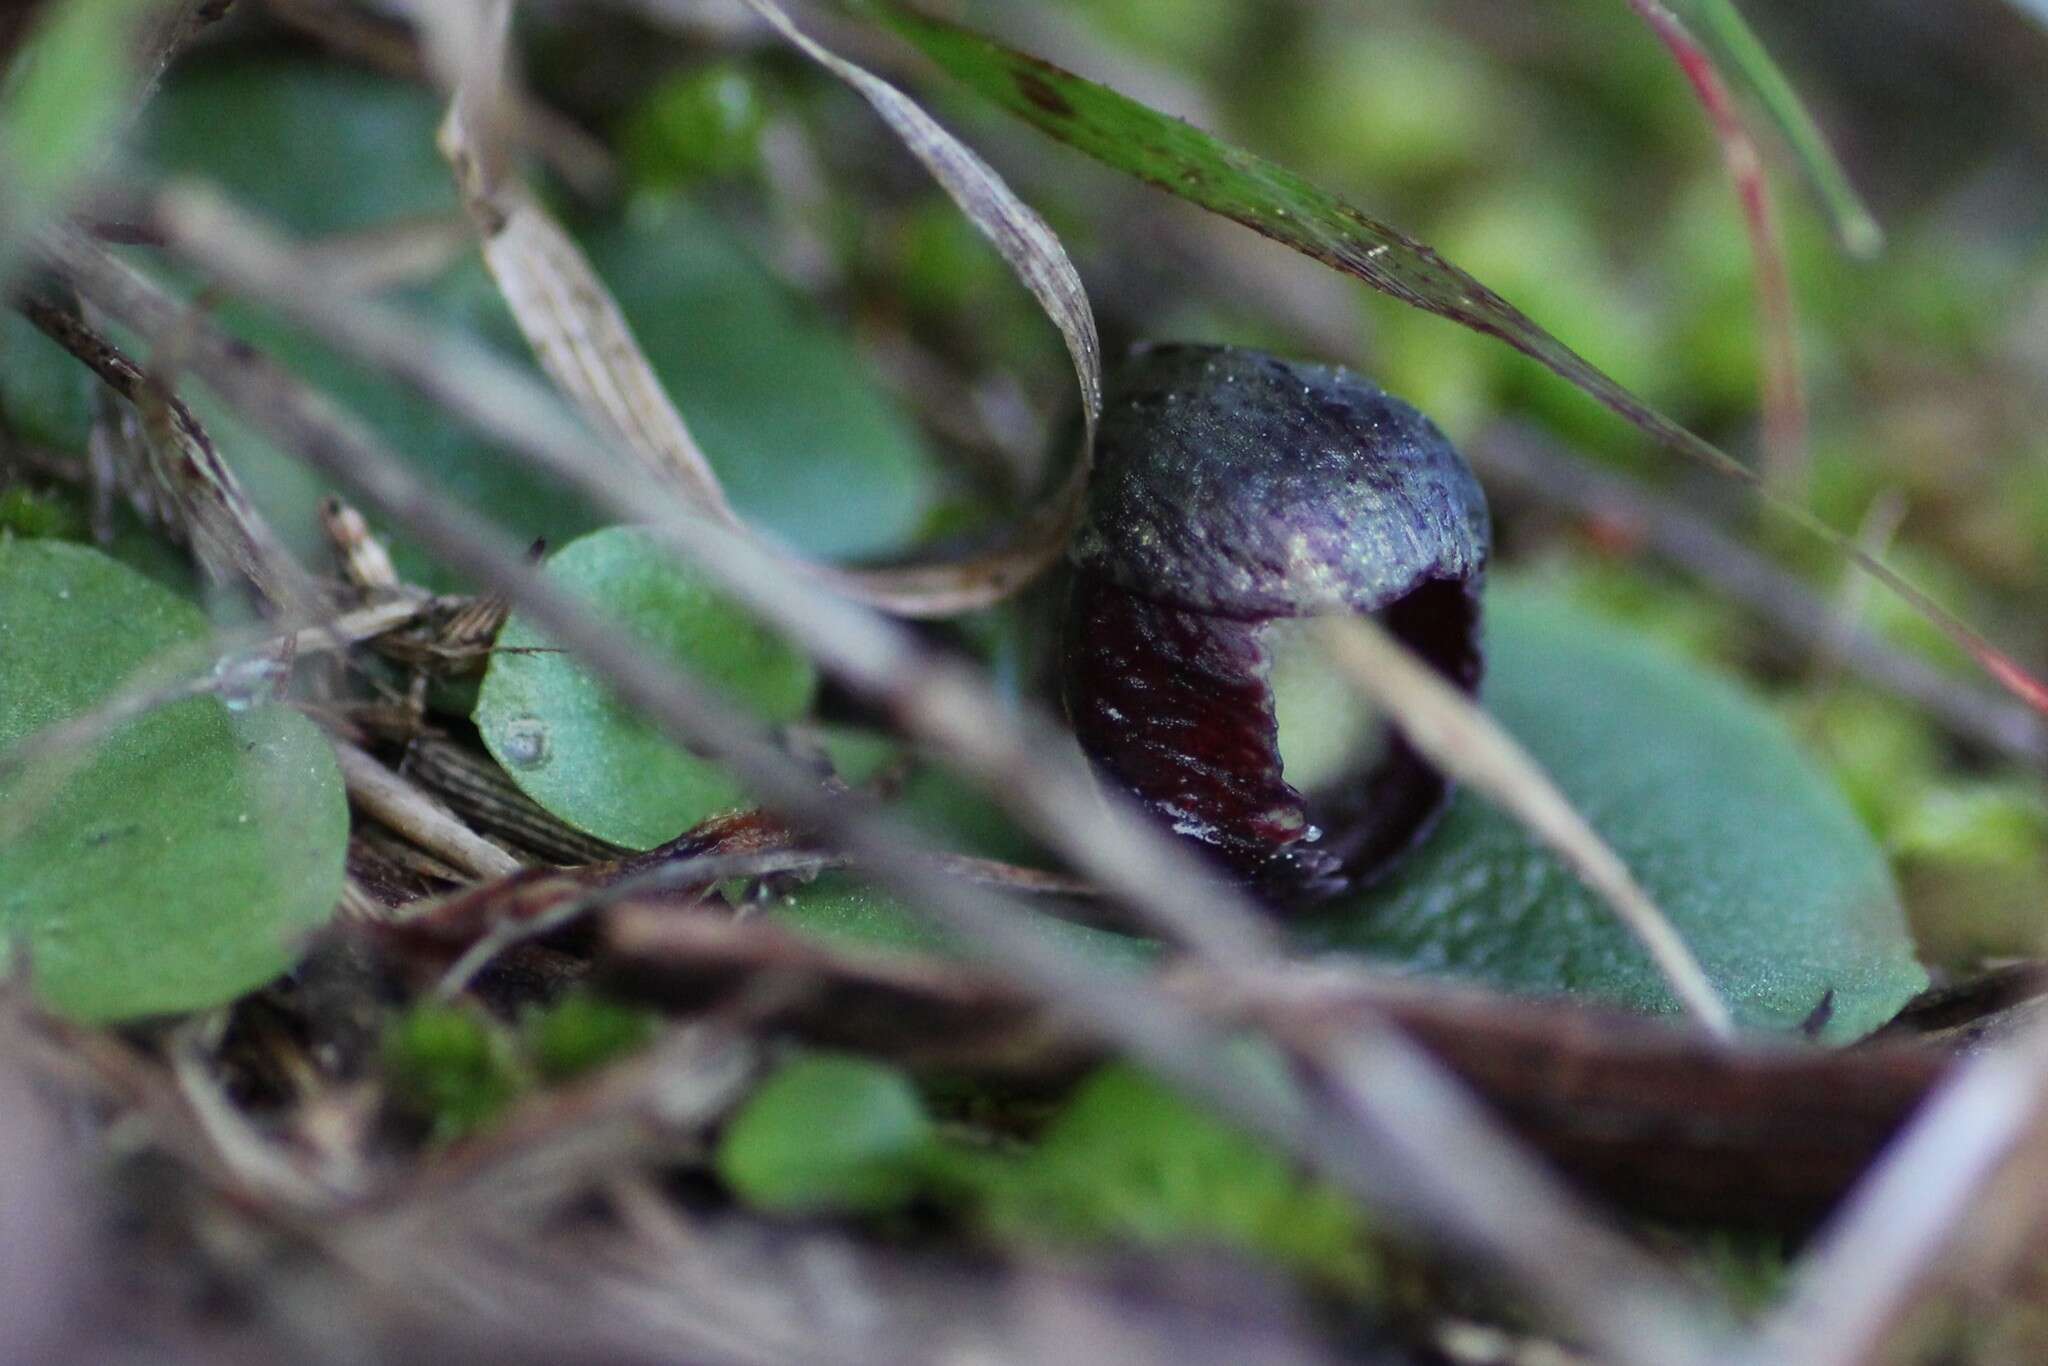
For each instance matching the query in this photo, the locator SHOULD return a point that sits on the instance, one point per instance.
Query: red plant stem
(1784, 398)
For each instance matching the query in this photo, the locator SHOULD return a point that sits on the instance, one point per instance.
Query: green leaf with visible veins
(569, 743)
(175, 868)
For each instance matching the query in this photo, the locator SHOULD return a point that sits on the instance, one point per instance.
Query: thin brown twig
(531, 911)
(1500, 1208)
(1663, 1121)
(229, 536)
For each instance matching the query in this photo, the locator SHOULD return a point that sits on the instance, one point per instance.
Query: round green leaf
(1753, 854)
(827, 1132)
(569, 743)
(175, 868)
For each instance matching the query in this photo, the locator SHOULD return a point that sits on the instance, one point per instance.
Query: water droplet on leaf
(526, 742)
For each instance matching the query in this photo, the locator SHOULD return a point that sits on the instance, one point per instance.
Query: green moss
(581, 1033)
(39, 516)
(827, 1132)
(701, 124)
(450, 1067)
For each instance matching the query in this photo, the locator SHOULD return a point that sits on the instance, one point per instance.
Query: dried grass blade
(417, 816)
(1023, 238)
(569, 318)
(228, 536)
(1041, 264)
(1459, 737)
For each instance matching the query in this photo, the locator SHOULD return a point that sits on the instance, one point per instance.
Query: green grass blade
(1738, 48)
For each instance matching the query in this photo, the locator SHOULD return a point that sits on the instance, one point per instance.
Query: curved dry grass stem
(1034, 252)
(1504, 1210)
(1459, 737)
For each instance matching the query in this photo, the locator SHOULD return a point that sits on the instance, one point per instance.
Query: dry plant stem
(390, 255)
(531, 910)
(1784, 397)
(1461, 739)
(1025, 759)
(570, 319)
(228, 535)
(1664, 1121)
(698, 871)
(481, 793)
(1681, 537)
(1906, 1220)
(1505, 1213)
(417, 816)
